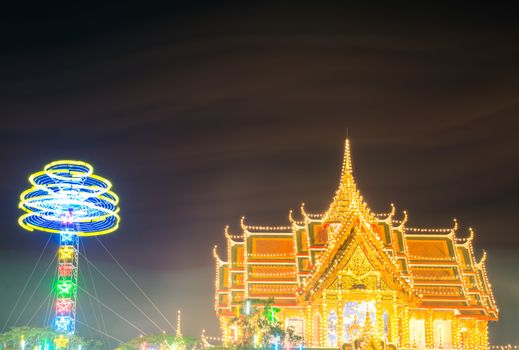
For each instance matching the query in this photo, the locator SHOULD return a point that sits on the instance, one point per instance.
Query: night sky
(200, 113)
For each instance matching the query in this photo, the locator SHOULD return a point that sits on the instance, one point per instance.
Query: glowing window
(417, 333)
(442, 334)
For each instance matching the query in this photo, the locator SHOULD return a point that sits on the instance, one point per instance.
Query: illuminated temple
(351, 276)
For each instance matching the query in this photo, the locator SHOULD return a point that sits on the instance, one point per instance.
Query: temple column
(479, 341)
(472, 335)
(309, 320)
(340, 322)
(485, 334)
(455, 331)
(226, 331)
(393, 324)
(476, 336)
(379, 322)
(316, 325)
(404, 328)
(429, 330)
(464, 334)
(481, 335)
(324, 322)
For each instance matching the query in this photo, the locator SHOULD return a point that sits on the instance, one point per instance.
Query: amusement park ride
(68, 199)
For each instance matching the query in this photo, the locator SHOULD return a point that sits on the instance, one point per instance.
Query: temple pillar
(467, 342)
(340, 322)
(455, 331)
(394, 334)
(316, 325)
(429, 330)
(485, 334)
(481, 335)
(379, 322)
(404, 328)
(318, 313)
(476, 340)
(309, 321)
(324, 323)
(226, 331)
(471, 335)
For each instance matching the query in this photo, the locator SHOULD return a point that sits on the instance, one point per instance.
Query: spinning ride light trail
(68, 199)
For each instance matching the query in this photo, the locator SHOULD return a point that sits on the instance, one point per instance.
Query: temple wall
(436, 329)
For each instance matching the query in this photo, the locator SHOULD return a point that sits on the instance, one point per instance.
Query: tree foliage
(160, 341)
(33, 337)
(259, 325)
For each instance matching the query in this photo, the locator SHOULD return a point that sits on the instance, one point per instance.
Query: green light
(65, 288)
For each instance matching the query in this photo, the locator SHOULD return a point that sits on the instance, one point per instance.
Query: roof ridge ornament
(242, 223)
(454, 228)
(290, 217)
(303, 212)
(215, 252)
(482, 260)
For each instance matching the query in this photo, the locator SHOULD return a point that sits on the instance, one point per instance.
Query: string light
(428, 230)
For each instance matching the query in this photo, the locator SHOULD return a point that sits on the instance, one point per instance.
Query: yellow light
(66, 253)
(61, 342)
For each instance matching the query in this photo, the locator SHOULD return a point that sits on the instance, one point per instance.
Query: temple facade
(350, 277)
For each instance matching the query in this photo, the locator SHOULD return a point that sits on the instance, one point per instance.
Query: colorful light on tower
(68, 199)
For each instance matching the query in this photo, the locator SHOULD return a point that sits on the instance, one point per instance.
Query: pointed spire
(347, 196)
(179, 331)
(347, 180)
(346, 163)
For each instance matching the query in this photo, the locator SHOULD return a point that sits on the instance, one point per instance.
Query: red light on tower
(63, 306)
(65, 269)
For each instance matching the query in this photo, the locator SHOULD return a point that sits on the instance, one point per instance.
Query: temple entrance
(359, 318)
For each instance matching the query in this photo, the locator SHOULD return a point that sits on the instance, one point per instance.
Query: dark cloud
(202, 115)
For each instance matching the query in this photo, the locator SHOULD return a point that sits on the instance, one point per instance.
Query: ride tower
(68, 199)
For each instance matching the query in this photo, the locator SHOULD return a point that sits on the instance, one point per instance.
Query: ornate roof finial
(483, 259)
(290, 217)
(303, 212)
(227, 233)
(471, 234)
(404, 219)
(454, 227)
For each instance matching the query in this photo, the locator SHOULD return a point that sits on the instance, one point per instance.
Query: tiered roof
(291, 263)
